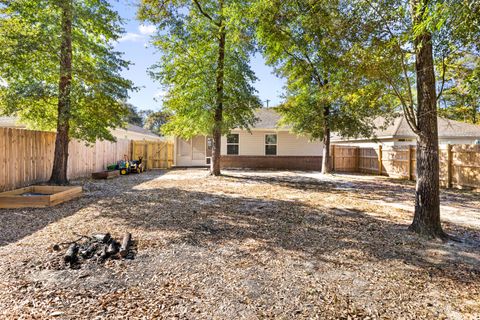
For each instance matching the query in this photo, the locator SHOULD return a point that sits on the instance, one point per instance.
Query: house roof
(267, 118)
(399, 128)
(10, 122)
(134, 128)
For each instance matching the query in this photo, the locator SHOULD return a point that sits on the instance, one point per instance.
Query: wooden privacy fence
(459, 164)
(26, 157)
(344, 159)
(155, 154)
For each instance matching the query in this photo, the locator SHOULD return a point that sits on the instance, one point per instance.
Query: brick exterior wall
(273, 162)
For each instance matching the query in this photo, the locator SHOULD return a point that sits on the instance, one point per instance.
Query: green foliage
(29, 66)
(188, 42)
(310, 44)
(134, 116)
(155, 120)
(384, 51)
(461, 96)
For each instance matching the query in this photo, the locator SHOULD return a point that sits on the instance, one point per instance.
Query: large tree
(60, 70)
(204, 66)
(308, 42)
(400, 44)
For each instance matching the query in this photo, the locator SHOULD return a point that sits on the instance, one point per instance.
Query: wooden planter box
(38, 196)
(106, 174)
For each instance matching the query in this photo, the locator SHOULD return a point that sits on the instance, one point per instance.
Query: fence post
(410, 162)
(149, 155)
(380, 165)
(333, 157)
(449, 165)
(357, 159)
(132, 156)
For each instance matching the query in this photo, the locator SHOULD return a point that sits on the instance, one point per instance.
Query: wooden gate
(155, 154)
(344, 159)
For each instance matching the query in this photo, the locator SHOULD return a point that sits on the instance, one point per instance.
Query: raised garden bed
(106, 174)
(38, 196)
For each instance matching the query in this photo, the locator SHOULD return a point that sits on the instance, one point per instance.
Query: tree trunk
(474, 111)
(326, 161)
(426, 220)
(59, 171)
(218, 117)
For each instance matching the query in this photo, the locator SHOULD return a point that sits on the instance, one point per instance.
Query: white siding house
(131, 132)
(269, 145)
(266, 145)
(398, 133)
(288, 144)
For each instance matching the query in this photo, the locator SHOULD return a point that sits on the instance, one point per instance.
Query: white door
(198, 148)
(191, 152)
(184, 152)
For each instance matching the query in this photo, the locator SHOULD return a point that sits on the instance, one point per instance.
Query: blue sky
(136, 48)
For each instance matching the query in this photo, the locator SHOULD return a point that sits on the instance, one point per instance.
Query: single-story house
(131, 132)
(266, 145)
(399, 133)
(271, 145)
(11, 122)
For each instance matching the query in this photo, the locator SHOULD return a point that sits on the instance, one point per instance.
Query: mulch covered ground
(248, 245)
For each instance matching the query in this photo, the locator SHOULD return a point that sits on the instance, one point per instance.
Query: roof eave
(262, 129)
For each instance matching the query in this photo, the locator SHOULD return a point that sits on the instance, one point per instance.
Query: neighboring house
(11, 122)
(399, 133)
(265, 145)
(131, 132)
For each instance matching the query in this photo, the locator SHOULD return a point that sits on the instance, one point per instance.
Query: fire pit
(38, 196)
(96, 248)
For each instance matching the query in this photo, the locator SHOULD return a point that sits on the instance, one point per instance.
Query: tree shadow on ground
(19, 223)
(381, 188)
(340, 236)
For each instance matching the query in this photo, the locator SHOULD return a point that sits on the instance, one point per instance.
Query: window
(271, 144)
(232, 143)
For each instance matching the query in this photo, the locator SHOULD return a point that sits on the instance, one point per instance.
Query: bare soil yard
(248, 245)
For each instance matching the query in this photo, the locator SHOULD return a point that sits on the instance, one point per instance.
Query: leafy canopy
(155, 120)
(385, 45)
(310, 44)
(188, 42)
(29, 66)
(461, 95)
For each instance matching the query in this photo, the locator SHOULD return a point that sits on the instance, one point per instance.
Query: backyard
(248, 244)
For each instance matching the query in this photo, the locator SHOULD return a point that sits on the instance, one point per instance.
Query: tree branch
(307, 58)
(407, 108)
(444, 68)
(209, 17)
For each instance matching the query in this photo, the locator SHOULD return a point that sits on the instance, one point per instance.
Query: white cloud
(147, 29)
(132, 37)
(141, 36)
(160, 94)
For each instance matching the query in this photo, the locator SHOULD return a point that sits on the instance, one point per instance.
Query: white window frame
(233, 144)
(265, 144)
(208, 159)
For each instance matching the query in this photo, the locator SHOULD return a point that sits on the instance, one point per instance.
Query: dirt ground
(248, 245)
